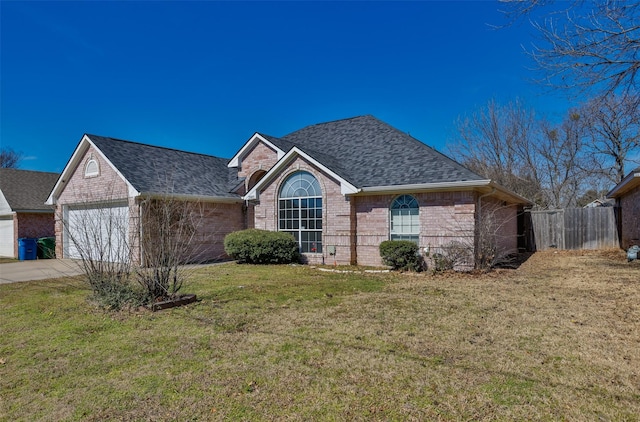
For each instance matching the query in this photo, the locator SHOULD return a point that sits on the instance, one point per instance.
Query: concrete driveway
(38, 269)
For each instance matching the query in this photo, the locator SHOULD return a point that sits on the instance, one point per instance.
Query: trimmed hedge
(401, 255)
(253, 246)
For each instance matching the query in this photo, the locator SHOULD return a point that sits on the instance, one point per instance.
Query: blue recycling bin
(27, 248)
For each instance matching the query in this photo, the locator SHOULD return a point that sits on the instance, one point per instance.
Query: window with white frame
(91, 168)
(300, 211)
(405, 221)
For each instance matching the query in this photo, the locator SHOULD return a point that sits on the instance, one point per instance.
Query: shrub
(452, 256)
(255, 246)
(115, 292)
(401, 255)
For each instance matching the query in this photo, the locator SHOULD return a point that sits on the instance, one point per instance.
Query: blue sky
(204, 76)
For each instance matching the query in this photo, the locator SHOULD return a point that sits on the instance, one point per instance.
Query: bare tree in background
(588, 45)
(496, 142)
(9, 159)
(563, 164)
(547, 164)
(613, 134)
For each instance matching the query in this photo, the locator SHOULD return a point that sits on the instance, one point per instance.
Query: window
(405, 222)
(300, 210)
(91, 168)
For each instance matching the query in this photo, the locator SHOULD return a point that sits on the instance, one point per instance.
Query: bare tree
(496, 142)
(9, 159)
(584, 45)
(563, 165)
(548, 164)
(613, 134)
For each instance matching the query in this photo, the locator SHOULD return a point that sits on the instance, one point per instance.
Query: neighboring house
(340, 188)
(598, 203)
(627, 196)
(23, 212)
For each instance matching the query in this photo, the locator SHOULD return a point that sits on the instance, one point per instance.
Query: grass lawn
(557, 339)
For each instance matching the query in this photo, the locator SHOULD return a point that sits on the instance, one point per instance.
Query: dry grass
(559, 338)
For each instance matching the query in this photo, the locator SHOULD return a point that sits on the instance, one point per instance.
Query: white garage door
(6, 236)
(97, 233)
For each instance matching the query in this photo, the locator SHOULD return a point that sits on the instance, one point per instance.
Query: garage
(6, 236)
(97, 232)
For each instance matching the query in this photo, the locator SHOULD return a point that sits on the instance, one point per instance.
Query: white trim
(427, 186)
(236, 161)
(74, 162)
(86, 168)
(346, 188)
(444, 186)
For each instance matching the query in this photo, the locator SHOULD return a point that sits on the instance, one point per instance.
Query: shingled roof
(27, 190)
(368, 152)
(157, 170)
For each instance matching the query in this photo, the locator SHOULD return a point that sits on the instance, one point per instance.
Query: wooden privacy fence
(575, 228)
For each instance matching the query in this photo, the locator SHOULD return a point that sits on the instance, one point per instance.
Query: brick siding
(336, 213)
(356, 225)
(444, 217)
(630, 218)
(260, 157)
(217, 221)
(34, 225)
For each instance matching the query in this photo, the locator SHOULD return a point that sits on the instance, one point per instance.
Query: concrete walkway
(38, 269)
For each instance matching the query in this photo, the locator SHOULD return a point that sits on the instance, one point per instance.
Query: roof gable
(152, 170)
(346, 188)
(26, 190)
(236, 161)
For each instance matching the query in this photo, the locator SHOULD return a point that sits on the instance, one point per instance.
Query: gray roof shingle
(368, 152)
(27, 190)
(157, 170)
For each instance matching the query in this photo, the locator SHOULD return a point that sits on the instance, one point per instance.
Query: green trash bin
(46, 247)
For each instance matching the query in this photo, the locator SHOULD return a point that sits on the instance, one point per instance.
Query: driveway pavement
(38, 269)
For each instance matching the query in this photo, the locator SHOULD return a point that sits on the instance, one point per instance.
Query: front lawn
(558, 338)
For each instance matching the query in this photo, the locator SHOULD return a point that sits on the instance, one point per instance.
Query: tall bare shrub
(168, 229)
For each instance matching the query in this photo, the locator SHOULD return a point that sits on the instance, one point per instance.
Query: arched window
(300, 210)
(91, 168)
(405, 223)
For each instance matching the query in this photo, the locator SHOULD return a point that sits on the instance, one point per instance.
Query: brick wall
(260, 157)
(32, 225)
(337, 227)
(216, 221)
(357, 225)
(630, 218)
(444, 217)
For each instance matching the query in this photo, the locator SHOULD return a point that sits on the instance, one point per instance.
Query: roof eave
(466, 184)
(632, 180)
(34, 211)
(482, 185)
(192, 198)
